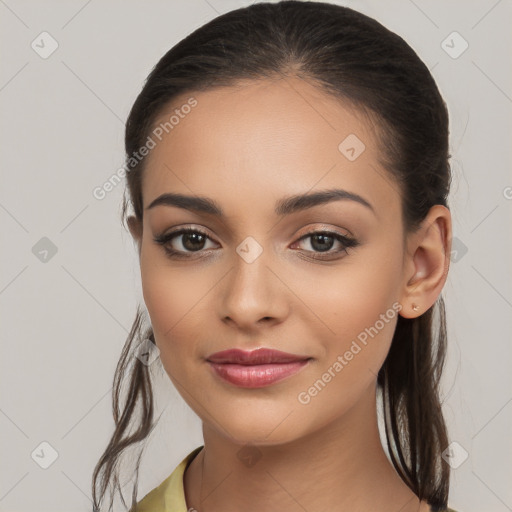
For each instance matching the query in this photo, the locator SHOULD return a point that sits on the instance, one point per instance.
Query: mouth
(259, 368)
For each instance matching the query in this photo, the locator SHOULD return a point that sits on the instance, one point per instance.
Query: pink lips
(259, 368)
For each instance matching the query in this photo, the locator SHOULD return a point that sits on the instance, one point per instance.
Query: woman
(287, 166)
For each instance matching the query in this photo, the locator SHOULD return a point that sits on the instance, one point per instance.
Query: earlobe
(428, 261)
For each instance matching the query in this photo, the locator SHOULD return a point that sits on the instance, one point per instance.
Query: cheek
(349, 301)
(356, 309)
(172, 317)
(169, 291)
(352, 360)
(172, 299)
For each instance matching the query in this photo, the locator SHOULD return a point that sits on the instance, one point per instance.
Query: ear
(135, 226)
(426, 262)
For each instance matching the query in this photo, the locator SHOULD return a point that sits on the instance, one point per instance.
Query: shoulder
(170, 494)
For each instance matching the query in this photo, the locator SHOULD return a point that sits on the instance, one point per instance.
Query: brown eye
(323, 241)
(189, 241)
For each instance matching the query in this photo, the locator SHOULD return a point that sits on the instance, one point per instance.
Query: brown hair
(359, 61)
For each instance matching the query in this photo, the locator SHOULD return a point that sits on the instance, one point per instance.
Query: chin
(259, 428)
(257, 438)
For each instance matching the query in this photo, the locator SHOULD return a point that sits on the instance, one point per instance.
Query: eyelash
(165, 238)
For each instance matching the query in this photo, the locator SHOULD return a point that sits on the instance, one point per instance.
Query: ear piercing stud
(415, 307)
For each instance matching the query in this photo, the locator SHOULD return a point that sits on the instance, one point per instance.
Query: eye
(190, 240)
(193, 240)
(323, 241)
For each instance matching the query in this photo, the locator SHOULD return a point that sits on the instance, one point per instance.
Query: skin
(246, 147)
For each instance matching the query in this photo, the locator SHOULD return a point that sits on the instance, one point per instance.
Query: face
(322, 281)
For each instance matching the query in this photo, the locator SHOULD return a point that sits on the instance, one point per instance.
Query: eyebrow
(284, 206)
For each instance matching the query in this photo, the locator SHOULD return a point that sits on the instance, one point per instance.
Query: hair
(366, 66)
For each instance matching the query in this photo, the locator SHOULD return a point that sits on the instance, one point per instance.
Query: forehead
(265, 139)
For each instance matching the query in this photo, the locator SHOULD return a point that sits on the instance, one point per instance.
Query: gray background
(65, 319)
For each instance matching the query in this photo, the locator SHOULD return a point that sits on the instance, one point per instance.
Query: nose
(253, 295)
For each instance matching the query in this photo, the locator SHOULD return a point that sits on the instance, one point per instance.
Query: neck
(341, 467)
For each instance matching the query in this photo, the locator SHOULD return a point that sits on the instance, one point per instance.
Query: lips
(256, 357)
(259, 368)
